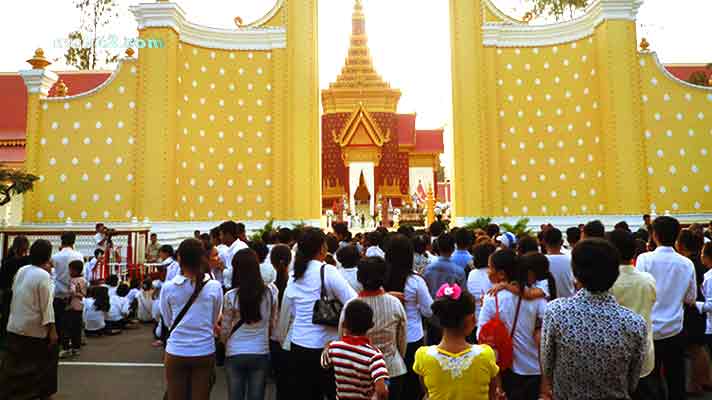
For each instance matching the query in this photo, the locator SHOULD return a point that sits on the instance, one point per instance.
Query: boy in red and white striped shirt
(359, 368)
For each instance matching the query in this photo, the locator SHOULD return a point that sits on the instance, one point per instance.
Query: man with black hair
(230, 233)
(675, 285)
(62, 295)
(464, 238)
(646, 223)
(29, 367)
(593, 229)
(573, 235)
(152, 249)
(373, 243)
(341, 230)
(559, 263)
(436, 229)
(284, 236)
(492, 230)
(443, 270)
(635, 290)
(91, 273)
(592, 347)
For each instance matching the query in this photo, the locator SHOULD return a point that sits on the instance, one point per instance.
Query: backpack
(494, 334)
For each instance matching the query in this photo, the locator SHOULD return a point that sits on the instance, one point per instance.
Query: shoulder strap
(516, 317)
(186, 307)
(323, 286)
(496, 305)
(241, 322)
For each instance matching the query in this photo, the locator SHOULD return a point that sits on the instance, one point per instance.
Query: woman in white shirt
(190, 348)
(144, 309)
(478, 282)
(403, 282)
(523, 318)
(249, 315)
(306, 340)
(96, 306)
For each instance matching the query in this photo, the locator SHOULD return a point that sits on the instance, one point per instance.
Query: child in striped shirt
(359, 367)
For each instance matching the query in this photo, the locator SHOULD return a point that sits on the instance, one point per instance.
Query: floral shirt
(592, 348)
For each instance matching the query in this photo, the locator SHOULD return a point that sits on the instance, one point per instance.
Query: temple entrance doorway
(362, 185)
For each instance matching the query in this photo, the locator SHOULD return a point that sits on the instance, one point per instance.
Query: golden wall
(212, 126)
(571, 119)
(568, 119)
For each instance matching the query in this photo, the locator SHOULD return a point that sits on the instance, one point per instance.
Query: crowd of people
(444, 313)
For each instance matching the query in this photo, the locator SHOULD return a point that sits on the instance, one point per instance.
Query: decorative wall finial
(130, 52)
(238, 21)
(39, 61)
(62, 88)
(644, 45)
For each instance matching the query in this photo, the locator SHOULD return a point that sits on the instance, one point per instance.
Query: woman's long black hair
(309, 246)
(399, 255)
(191, 256)
(247, 279)
(20, 245)
(280, 257)
(101, 297)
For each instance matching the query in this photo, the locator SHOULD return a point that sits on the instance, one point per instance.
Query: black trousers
(29, 368)
(74, 329)
(649, 388)
(279, 359)
(307, 380)
(60, 321)
(670, 358)
(395, 388)
(520, 387)
(412, 388)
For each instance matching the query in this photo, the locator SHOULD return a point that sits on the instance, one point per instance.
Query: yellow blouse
(462, 376)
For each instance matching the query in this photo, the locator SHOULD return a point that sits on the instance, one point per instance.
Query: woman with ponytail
(305, 339)
(190, 306)
(522, 318)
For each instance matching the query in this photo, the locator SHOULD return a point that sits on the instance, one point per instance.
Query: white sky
(409, 39)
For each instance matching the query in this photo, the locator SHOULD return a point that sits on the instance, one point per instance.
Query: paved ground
(125, 367)
(122, 367)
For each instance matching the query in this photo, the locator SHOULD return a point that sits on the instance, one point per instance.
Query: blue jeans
(246, 376)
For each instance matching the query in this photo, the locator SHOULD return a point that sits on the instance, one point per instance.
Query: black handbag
(327, 311)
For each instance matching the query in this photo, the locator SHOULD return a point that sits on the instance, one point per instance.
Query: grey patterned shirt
(592, 348)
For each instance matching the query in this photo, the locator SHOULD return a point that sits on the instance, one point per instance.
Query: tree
(86, 46)
(521, 228)
(698, 78)
(14, 182)
(557, 8)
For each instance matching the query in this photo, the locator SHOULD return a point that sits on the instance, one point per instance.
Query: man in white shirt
(635, 290)
(99, 237)
(675, 285)
(373, 245)
(231, 235)
(90, 271)
(559, 263)
(29, 367)
(60, 262)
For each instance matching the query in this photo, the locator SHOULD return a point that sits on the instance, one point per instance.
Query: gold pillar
(302, 177)
(468, 121)
(157, 85)
(624, 175)
(38, 81)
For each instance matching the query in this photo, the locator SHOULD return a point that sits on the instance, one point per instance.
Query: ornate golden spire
(359, 82)
(362, 195)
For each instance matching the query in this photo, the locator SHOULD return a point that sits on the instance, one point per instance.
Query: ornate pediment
(361, 130)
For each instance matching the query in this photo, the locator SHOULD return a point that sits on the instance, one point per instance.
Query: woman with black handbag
(311, 308)
(190, 305)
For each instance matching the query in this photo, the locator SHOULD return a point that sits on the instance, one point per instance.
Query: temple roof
(359, 82)
(683, 71)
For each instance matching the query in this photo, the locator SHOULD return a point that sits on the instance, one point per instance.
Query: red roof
(683, 71)
(429, 141)
(406, 129)
(13, 103)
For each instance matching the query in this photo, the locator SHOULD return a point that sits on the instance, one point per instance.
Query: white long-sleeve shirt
(226, 256)
(299, 298)
(706, 306)
(675, 285)
(193, 336)
(417, 305)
